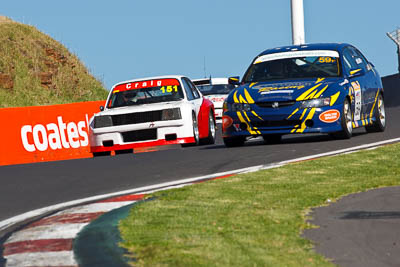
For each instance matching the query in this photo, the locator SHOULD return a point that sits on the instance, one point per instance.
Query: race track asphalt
(360, 230)
(32, 186)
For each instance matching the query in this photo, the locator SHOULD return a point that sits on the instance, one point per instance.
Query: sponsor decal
(217, 99)
(294, 54)
(357, 98)
(330, 116)
(283, 89)
(46, 133)
(55, 135)
(145, 84)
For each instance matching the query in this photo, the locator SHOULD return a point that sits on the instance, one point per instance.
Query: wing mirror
(234, 80)
(356, 73)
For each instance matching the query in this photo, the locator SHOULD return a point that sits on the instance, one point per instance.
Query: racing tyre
(101, 154)
(210, 139)
(234, 141)
(346, 120)
(380, 123)
(196, 133)
(272, 138)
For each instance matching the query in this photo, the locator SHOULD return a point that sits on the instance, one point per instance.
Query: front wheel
(196, 133)
(210, 139)
(380, 124)
(346, 120)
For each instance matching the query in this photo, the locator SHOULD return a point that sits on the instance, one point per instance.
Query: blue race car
(313, 88)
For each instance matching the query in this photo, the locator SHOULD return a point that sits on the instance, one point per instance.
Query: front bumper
(286, 120)
(140, 135)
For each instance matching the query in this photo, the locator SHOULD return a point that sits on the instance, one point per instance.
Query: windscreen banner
(46, 133)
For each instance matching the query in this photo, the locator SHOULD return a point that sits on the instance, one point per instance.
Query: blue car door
(356, 72)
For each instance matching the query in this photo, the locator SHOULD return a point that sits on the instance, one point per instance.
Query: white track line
(25, 216)
(53, 231)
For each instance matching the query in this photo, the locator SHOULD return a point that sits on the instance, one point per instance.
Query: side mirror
(356, 73)
(234, 80)
(101, 108)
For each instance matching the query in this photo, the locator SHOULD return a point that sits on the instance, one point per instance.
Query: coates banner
(46, 133)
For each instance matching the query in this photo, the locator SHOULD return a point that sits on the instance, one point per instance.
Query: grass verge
(253, 219)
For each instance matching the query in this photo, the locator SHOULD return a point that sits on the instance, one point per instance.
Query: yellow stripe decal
(255, 114)
(248, 97)
(310, 96)
(319, 80)
(320, 92)
(309, 117)
(235, 99)
(373, 106)
(334, 98)
(306, 93)
(244, 121)
(242, 100)
(354, 71)
(294, 112)
(304, 113)
(251, 85)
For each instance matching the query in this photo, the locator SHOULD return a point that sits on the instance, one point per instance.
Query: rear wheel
(234, 141)
(210, 139)
(346, 120)
(196, 134)
(380, 124)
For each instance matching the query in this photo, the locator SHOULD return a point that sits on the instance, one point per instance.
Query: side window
(360, 60)
(353, 59)
(188, 90)
(193, 88)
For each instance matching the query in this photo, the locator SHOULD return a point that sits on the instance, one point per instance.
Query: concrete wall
(391, 85)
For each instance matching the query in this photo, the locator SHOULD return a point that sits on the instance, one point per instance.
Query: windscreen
(145, 92)
(294, 65)
(216, 89)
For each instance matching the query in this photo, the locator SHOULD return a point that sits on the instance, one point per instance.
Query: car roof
(207, 81)
(151, 78)
(303, 47)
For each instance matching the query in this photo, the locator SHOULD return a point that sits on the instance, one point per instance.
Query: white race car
(216, 90)
(150, 112)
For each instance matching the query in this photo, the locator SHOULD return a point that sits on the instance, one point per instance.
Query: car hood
(293, 90)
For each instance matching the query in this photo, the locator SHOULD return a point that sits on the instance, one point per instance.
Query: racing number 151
(169, 89)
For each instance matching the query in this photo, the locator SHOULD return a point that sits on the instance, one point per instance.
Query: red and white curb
(48, 241)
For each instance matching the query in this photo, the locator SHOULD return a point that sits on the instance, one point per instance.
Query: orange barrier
(46, 133)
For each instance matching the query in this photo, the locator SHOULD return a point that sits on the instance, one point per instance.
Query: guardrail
(45, 133)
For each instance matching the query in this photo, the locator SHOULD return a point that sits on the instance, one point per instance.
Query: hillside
(37, 70)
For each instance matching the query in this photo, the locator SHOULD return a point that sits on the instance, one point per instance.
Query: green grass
(26, 53)
(253, 219)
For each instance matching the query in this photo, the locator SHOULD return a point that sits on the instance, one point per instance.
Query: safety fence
(46, 133)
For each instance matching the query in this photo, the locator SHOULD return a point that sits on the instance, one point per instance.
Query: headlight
(102, 121)
(171, 114)
(238, 107)
(316, 103)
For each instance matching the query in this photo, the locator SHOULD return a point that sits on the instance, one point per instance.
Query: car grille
(137, 117)
(272, 103)
(140, 135)
(282, 123)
